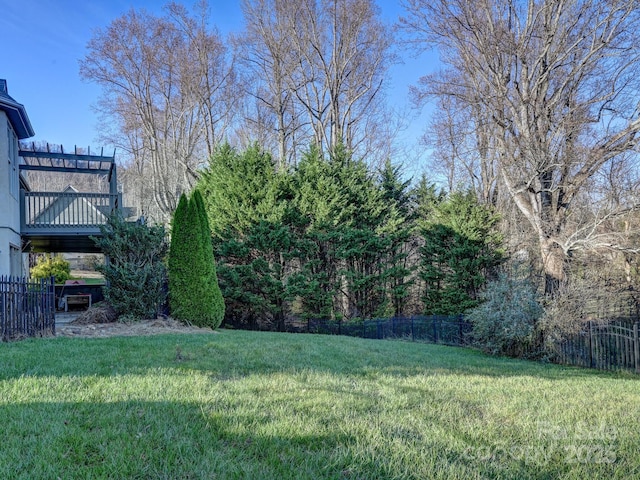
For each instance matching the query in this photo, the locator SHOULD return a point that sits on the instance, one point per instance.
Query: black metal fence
(447, 330)
(27, 308)
(605, 346)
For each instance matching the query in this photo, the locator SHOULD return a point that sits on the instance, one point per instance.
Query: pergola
(64, 221)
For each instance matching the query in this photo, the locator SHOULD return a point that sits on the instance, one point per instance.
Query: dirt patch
(114, 329)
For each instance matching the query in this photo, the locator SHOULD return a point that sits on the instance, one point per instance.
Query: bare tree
(323, 66)
(556, 83)
(343, 50)
(463, 148)
(166, 83)
(266, 51)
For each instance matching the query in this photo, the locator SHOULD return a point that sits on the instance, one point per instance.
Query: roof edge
(16, 113)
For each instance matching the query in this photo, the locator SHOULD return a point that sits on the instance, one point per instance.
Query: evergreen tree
(215, 315)
(179, 263)
(136, 272)
(329, 239)
(346, 243)
(394, 190)
(320, 199)
(254, 273)
(398, 228)
(425, 198)
(247, 200)
(239, 190)
(461, 248)
(193, 288)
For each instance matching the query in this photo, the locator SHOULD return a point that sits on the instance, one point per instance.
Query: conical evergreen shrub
(194, 294)
(213, 295)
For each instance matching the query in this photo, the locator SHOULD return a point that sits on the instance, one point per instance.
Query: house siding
(9, 199)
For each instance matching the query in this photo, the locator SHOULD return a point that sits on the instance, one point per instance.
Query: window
(15, 265)
(14, 181)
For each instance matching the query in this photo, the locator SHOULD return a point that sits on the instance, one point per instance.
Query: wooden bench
(77, 299)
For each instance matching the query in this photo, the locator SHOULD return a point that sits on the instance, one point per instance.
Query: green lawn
(264, 405)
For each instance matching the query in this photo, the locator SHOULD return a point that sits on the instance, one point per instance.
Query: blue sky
(43, 40)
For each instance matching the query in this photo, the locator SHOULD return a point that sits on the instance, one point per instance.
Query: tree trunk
(553, 264)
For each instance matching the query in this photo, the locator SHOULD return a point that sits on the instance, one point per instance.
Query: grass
(87, 280)
(280, 406)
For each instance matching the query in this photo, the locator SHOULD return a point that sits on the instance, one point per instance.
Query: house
(14, 126)
(56, 222)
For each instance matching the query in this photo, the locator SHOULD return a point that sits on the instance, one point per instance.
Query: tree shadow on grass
(144, 439)
(140, 439)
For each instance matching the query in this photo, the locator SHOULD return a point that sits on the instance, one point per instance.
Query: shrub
(49, 266)
(194, 294)
(183, 276)
(505, 323)
(135, 273)
(214, 294)
(566, 311)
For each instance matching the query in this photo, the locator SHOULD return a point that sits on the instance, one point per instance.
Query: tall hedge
(194, 294)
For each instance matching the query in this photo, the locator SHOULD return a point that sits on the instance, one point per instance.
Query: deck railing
(68, 210)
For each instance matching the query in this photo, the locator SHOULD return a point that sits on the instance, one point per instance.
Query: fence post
(590, 346)
(3, 311)
(435, 329)
(413, 332)
(636, 347)
(51, 303)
